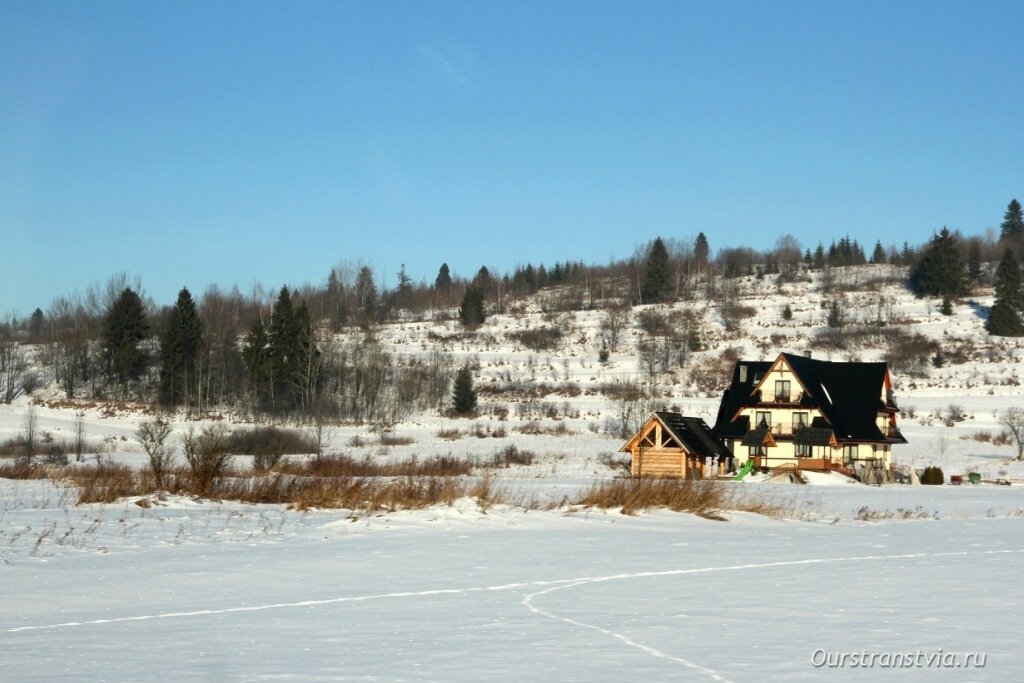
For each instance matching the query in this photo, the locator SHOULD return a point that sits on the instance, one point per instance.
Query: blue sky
(200, 143)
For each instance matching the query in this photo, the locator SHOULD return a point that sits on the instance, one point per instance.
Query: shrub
(208, 454)
(933, 476)
(538, 339)
(787, 313)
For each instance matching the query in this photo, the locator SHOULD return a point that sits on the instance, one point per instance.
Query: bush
(208, 454)
(933, 476)
(540, 339)
(787, 313)
(268, 445)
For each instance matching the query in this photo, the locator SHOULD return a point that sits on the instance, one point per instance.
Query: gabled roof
(847, 394)
(692, 433)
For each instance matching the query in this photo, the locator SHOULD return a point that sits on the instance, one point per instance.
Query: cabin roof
(694, 434)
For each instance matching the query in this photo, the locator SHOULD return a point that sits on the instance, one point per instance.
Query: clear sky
(242, 142)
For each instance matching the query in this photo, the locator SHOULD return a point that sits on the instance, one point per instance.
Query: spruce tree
(366, 295)
(180, 345)
(974, 271)
(701, 252)
(464, 395)
(1013, 220)
(124, 328)
(404, 284)
(657, 284)
(1005, 318)
(878, 255)
(256, 356)
(443, 281)
(471, 312)
(940, 270)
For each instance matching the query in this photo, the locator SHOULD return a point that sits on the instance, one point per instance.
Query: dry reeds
(709, 499)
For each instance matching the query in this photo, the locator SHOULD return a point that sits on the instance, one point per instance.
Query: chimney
(808, 353)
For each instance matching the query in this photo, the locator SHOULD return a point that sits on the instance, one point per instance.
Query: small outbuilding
(674, 445)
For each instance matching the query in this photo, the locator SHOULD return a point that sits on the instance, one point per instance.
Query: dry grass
(345, 466)
(19, 469)
(709, 499)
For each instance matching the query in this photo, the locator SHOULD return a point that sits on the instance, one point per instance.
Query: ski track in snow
(548, 587)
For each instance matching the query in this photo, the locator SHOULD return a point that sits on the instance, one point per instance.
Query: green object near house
(974, 477)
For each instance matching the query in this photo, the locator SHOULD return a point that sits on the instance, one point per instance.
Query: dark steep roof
(694, 434)
(736, 395)
(848, 395)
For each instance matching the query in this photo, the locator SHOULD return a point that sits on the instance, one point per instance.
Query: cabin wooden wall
(653, 462)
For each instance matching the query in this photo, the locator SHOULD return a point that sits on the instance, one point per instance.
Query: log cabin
(811, 414)
(673, 445)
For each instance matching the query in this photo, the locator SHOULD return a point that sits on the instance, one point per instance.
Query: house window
(803, 450)
(782, 391)
(800, 421)
(757, 450)
(763, 419)
(849, 452)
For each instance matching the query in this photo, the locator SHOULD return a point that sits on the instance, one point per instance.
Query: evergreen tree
(464, 395)
(124, 328)
(256, 356)
(974, 261)
(1005, 318)
(657, 284)
(819, 257)
(701, 252)
(1013, 220)
(404, 285)
(940, 270)
(284, 348)
(36, 322)
(366, 295)
(180, 346)
(471, 312)
(878, 255)
(443, 281)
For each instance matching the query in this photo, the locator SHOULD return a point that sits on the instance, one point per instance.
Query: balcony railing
(781, 428)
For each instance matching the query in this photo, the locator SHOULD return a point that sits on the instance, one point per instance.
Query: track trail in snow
(547, 587)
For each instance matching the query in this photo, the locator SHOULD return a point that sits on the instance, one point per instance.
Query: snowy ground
(203, 591)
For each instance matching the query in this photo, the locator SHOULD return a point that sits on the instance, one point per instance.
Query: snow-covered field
(201, 590)
(190, 591)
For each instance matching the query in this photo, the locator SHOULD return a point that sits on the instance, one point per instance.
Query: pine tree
(974, 271)
(471, 312)
(878, 255)
(256, 356)
(1005, 318)
(180, 345)
(366, 295)
(657, 284)
(463, 395)
(443, 281)
(404, 284)
(701, 252)
(124, 328)
(1013, 220)
(940, 271)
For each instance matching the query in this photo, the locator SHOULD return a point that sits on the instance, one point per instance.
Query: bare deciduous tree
(152, 436)
(1013, 420)
(30, 427)
(14, 365)
(79, 435)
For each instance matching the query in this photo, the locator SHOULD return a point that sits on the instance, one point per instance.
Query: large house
(812, 414)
